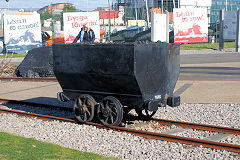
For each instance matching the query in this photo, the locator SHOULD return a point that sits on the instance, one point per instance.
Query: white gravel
(125, 146)
(226, 115)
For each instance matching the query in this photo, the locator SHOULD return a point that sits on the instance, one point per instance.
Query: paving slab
(29, 90)
(224, 92)
(199, 92)
(220, 66)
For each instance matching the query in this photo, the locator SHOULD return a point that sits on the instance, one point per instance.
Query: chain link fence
(214, 16)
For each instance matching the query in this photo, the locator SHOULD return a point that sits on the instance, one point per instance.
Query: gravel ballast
(126, 146)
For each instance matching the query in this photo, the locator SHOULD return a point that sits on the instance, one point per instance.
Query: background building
(217, 5)
(165, 4)
(56, 8)
(137, 8)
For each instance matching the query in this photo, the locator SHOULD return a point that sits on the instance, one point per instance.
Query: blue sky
(80, 4)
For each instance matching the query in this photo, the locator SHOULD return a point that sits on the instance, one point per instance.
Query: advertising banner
(229, 25)
(22, 31)
(190, 25)
(74, 21)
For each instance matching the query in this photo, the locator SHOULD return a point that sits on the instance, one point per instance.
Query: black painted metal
(135, 73)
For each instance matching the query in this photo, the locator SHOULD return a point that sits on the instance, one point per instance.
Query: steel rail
(35, 104)
(44, 117)
(53, 79)
(212, 128)
(144, 134)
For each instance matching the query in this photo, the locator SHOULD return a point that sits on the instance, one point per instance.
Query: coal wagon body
(111, 79)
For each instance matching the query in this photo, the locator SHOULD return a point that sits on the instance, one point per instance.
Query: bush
(6, 68)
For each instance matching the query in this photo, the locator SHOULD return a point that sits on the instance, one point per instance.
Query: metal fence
(127, 20)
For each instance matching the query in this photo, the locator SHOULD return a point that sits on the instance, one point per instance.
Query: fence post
(221, 40)
(237, 33)
(216, 29)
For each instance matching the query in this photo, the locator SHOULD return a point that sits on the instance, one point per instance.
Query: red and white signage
(73, 22)
(190, 25)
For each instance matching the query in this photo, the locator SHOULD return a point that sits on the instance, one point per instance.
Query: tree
(69, 8)
(45, 15)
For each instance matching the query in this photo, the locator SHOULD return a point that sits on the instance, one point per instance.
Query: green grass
(194, 46)
(13, 55)
(199, 46)
(15, 147)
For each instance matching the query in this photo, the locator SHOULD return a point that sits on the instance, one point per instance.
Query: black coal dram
(37, 63)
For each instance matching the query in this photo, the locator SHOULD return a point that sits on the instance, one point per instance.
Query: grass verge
(199, 46)
(13, 55)
(15, 147)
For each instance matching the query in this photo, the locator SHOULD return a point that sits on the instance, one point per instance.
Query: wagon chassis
(109, 109)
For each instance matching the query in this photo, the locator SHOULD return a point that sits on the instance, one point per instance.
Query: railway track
(204, 127)
(144, 134)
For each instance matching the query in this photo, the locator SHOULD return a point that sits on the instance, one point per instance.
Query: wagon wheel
(145, 113)
(110, 111)
(84, 108)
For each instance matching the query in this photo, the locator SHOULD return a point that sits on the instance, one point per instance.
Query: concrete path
(194, 64)
(198, 92)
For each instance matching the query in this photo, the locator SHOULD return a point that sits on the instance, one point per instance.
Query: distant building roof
(43, 8)
(105, 14)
